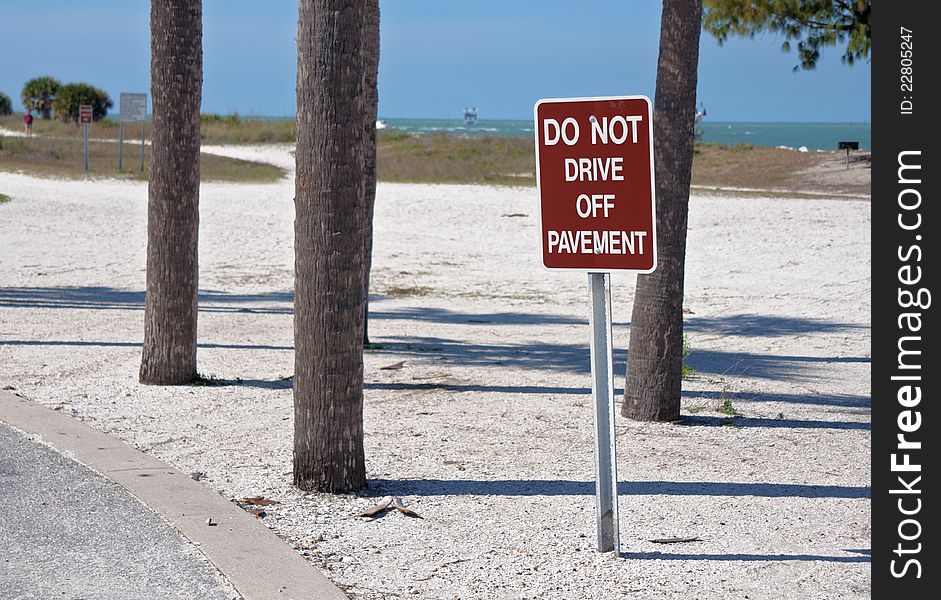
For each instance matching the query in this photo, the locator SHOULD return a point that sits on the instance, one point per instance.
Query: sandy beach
(486, 431)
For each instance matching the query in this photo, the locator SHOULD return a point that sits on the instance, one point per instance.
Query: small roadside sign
(595, 178)
(133, 107)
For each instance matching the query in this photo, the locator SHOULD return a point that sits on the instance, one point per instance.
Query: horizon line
(457, 118)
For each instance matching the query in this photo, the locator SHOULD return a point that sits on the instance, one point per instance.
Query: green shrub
(72, 95)
(726, 408)
(6, 105)
(686, 370)
(233, 119)
(393, 135)
(39, 93)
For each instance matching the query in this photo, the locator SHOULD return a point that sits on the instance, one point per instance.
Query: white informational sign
(133, 107)
(133, 110)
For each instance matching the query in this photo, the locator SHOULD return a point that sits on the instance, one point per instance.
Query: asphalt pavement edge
(258, 564)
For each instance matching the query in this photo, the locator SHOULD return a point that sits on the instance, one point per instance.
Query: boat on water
(470, 116)
(697, 123)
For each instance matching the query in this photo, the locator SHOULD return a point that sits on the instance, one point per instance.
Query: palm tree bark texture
(331, 220)
(371, 95)
(654, 360)
(176, 66)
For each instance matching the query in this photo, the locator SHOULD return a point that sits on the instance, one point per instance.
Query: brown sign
(85, 114)
(595, 177)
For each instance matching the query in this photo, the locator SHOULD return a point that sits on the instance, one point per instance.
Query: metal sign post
(121, 146)
(595, 179)
(602, 392)
(133, 109)
(85, 127)
(85, 118)
(848, 146)
(142, 145)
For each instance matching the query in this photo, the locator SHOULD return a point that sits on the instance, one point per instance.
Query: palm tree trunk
(371, 106)
(329, 229)
(654, 364)
(176, 67)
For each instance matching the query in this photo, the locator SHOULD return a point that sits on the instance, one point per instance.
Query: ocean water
(505, 128)
(815, 136)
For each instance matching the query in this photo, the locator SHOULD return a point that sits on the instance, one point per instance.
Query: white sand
(487, 431)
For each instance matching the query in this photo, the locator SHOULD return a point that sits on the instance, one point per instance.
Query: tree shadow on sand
(548, 487)
(739, 421)
(744, 557)
(460, 354)
(84, 344)
(755, 325)
(107, 298)
(574, 358)
(854, 403)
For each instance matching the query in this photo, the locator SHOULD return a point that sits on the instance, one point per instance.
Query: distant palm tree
(330, 226)
(176, 74)
(38, 94)
(371, 108)
(655, 357)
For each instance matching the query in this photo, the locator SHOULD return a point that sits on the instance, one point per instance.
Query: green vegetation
(758, 167)
(62, 157)
(38, 94)
(47, 94)
(215, 129)
(6, 105)
(104, 128)
(443, 158)
(4, 198)
(815, 24)
(687, 371)
(392, 135)
(233, 129)
(72, 95)
(726, 408)
(404, 291)
(201, 380)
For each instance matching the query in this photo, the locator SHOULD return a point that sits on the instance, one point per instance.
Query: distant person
(28, 121)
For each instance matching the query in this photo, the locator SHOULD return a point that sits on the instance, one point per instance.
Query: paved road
(67, 533)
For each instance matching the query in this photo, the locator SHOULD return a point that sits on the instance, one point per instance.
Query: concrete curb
(259, 564)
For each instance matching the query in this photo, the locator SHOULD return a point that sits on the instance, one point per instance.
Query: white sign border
(653, 180)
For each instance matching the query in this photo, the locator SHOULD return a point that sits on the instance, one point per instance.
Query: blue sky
(437, 57)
